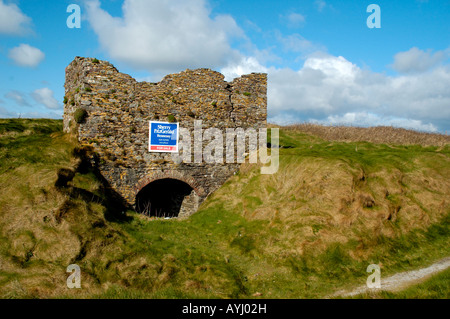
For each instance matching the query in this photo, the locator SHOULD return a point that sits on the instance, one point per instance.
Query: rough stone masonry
(110, 112)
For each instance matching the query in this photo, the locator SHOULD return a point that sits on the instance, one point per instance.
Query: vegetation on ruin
(80, 115)
(171, 118)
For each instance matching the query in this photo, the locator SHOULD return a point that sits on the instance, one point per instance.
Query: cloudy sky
(324, 63)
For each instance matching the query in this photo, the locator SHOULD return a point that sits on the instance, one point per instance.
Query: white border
(150, 138)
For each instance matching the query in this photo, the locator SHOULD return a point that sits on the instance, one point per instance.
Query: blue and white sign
(163, 137)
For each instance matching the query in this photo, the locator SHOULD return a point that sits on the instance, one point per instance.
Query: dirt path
(401, 280)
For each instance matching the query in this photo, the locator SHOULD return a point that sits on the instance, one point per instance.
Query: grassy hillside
(333, 208)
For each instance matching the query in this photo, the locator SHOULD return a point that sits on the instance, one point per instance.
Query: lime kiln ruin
(110, 111)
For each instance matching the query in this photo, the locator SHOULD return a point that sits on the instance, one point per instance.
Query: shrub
(214, 103)
(88, 89)
(80, 115)
(65, 100)
(171, 118)
(95, 60)
(247, 93)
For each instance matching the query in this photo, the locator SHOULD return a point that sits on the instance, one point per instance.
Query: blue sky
(324, 64)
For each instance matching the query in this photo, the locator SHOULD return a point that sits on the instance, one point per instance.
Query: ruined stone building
(110, 111)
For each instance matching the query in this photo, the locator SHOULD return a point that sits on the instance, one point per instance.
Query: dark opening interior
(162, 198)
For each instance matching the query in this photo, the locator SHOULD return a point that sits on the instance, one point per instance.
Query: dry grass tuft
(378, 134)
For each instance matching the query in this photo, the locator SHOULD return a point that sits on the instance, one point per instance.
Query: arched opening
(166, 198)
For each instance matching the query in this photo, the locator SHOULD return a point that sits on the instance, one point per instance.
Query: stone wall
(119, 108)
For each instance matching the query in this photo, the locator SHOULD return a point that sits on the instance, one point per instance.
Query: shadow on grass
(115, 204)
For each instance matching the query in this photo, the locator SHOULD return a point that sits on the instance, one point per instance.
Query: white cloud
(294, 19)
(5, 113)
(12, 20)
(45, 97)
(320, 4)
(296, 43)
(26, 55)
(245, 66)
(371, 119)
(330, 88)
(416, 60)
(165, 36)
(18, 97)
(335, 68)
(253, 26)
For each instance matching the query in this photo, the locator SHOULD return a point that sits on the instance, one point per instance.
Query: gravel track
(401, 280)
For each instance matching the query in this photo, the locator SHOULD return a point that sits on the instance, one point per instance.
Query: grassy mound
(312, 228)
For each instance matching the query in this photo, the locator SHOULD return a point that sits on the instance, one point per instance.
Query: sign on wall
(163, 137)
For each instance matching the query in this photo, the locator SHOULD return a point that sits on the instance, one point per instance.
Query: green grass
(295, 234)
(436, 287)
(25, 147)
(80, 115)
(368, 155)
(171, 118)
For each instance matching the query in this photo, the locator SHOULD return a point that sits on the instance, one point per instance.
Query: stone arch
(168, 194)
(172, 174)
